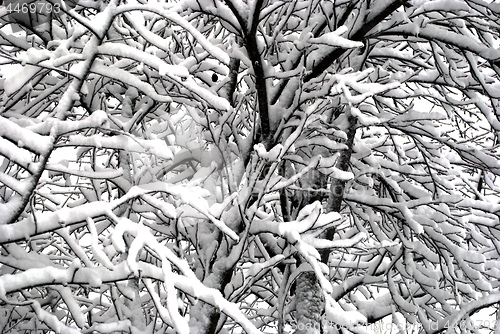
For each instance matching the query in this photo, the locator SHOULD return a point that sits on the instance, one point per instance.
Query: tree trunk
(204, 317)
(310, 303)
(337, 187)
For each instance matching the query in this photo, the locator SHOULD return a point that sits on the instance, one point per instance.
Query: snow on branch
(113, 49)
(156, 147)
(55, 127)
(335, 39)
(180, 21)
(129, 79)
(76, 274)
(460, 41)
(24, 138)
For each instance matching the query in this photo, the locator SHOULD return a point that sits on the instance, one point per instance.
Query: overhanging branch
(371, 22)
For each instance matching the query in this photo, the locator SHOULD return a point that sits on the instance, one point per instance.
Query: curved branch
(359, 35)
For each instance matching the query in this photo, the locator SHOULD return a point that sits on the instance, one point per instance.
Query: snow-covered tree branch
(249, 166)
